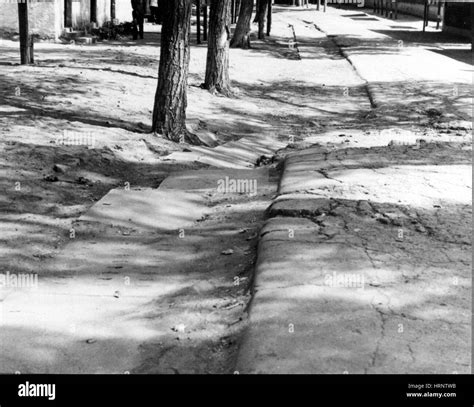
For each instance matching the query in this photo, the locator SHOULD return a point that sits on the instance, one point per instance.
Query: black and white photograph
(263, 188)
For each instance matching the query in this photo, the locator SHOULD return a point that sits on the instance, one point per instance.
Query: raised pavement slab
(365, 265)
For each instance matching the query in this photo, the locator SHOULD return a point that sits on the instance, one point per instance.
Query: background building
(48, 18)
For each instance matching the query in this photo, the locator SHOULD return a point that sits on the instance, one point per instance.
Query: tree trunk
(217, 66)
(237, 10)
(269, 18)
(25, 39)
(169, 113)
(198, 21)
(257, 11)
(205, 21)
(241, 38)
(262, 14)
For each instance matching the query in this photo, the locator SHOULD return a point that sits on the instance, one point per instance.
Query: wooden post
(204, 30)
(198, 21)
(112, 9)
(318, 5)
(396, 10)
(325, 2)
(25, 45)
(269, 17)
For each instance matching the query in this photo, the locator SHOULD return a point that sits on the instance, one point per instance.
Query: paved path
(143, 286)
(364, 265)
(404, 78)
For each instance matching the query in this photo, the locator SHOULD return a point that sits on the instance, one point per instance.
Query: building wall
(46, 18)
(103, 11)
(81, 14)
(42, 17)
(123, 10)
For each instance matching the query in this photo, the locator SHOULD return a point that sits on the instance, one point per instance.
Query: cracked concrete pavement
(365, 269)
(364, 263)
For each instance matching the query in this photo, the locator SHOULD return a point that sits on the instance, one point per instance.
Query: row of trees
(169, 113)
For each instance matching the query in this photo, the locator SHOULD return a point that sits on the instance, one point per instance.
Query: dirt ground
(103, 96)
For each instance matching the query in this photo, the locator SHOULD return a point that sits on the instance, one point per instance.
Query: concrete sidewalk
(404, 78)
(364, 265)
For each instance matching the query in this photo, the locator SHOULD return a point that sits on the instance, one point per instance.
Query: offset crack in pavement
(325, 174)
(376, 352)
(347, 57)
(365, 243)
(412, 354)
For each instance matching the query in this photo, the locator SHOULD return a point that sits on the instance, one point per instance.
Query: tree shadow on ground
(41, 102)
(419, 38)
(173, 280)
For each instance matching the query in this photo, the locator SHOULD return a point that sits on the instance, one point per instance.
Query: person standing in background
(138, 15)
(159, 13)
(154, 10)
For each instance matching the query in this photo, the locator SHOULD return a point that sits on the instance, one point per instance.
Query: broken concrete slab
(326, 305)
(147, 209)
(348, 278)
(298, 330)
(219, 181)
(299, 205)
(242, 153)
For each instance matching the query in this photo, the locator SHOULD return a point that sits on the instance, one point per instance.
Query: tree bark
(241, 37)
(169, 113)
(217, 66)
